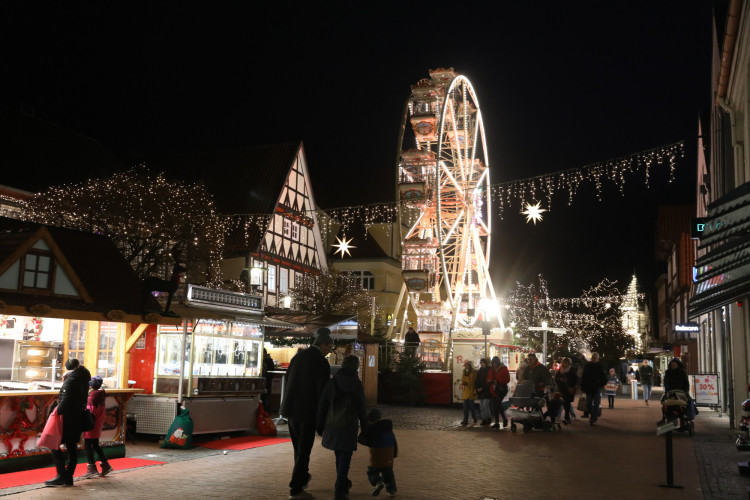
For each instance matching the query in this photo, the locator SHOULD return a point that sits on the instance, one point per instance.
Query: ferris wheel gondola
(444, 188)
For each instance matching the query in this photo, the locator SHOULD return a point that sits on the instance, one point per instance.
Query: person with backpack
(383, 449)
(96, 406)
(341, 408)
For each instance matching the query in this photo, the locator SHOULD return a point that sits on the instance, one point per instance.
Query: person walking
(483, 391)
(96, 406)
(498, 380)
(613, 383)
(647, 379)
(566, 381)
(675, 378)
(341, 407)
(592, 381)
(71, 405)
(469, 392)
(383, 449)
(306, 379)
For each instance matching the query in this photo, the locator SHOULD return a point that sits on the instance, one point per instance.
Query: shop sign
(687, 331)
(224, 299)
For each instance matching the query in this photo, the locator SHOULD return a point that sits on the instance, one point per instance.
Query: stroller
(678, 405)
(528, 410)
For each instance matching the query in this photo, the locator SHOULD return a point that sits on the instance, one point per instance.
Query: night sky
(561, 85)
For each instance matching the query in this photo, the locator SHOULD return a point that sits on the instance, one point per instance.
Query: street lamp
(488, 307)
(544, 329)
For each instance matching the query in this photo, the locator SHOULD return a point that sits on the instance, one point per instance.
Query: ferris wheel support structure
(443, 183)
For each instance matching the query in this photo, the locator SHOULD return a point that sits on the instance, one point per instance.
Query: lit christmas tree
(631, 314)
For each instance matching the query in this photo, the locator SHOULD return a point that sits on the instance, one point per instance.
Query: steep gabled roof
(243, 181)
(366, 246)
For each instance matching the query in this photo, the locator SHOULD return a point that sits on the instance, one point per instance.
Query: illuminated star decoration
(344, 246)
(533, 212)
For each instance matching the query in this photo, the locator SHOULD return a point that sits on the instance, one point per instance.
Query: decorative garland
(18, 426)
(503, 194)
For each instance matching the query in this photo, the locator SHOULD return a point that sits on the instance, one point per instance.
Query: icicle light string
(503, 194)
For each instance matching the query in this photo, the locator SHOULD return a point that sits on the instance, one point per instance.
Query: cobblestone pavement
(619, 457)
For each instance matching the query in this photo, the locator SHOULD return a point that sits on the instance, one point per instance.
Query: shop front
(211, 364)
(55, 305)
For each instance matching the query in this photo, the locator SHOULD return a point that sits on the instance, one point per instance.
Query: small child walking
(613, 383)
(96, 405)
(383, 449)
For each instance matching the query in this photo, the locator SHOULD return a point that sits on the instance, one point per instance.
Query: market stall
(63, 294)
(210, 364)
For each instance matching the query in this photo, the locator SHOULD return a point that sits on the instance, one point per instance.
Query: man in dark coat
(411, 341)
(592, 381)
(71, 404)
(306, 378)
(538, 374)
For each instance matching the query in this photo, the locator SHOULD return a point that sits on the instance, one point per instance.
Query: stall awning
(722, 275)
(342, 326)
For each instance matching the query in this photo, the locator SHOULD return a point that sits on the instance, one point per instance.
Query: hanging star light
(533, 212)
(344, 246)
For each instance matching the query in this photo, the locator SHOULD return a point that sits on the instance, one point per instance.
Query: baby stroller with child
(527, 409)
(678, 405)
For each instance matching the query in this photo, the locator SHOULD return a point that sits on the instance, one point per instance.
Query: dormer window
(37, 270)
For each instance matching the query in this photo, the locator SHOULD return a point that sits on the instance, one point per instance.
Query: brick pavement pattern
(619, 457)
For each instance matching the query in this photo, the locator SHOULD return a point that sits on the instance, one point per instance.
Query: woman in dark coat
(71, 404)
(483, 391)
(341, 408)
(676, 377)
(566, 381)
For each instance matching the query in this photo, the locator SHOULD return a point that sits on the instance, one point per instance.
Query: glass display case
(214, 349)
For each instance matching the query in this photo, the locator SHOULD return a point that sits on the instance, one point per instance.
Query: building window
(271, 278)
(37, 270)
(366, 279)
(106, 365)
(295, 231)
(283, 280)
(287, 227)
(77, 340)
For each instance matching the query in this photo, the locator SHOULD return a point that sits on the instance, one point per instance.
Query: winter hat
(96, 382)
(323, 336)
(373, 415)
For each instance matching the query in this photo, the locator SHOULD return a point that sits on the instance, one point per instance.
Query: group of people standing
(335, 409)
(489, 385)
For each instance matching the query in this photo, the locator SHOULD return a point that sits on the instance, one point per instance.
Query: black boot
(59, 459)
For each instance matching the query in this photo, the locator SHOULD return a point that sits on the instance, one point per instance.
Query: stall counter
(24, 413)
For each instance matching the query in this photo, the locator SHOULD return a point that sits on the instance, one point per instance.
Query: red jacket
(501, 376)
(96, 404)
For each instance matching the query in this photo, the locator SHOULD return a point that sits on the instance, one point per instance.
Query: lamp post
(544, 329)
(488, 307)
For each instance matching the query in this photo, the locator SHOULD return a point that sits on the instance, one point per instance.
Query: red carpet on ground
(35, 476)
(243, 442)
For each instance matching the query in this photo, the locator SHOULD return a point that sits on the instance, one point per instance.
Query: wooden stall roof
(106, 287)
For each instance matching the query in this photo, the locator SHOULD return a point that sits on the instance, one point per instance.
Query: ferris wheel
(444, 186)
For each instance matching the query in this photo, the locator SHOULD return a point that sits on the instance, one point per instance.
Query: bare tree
(146, 216)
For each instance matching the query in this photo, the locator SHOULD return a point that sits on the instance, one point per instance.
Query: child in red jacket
(95, 404)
